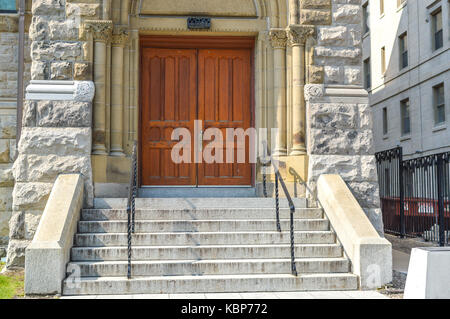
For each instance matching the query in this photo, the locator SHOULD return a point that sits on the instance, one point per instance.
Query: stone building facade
(82, 109)
(8, 101)
(412, 72)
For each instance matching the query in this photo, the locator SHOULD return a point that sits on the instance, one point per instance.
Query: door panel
(224, 101)
(169, 101)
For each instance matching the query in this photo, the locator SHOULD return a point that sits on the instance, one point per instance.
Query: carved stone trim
(79, 91)
(119, 36)
(101, 29)
(313, 91)
(278, 38)
(298, 34)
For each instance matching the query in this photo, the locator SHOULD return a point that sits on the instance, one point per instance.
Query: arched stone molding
(273, 75)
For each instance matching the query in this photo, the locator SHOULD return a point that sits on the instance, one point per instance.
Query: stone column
(101, 31)
(118, 42)
(297, 39)
(293, 11)
(106, 12)
(278, 40)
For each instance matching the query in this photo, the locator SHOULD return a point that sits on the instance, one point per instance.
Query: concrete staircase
(205, 245)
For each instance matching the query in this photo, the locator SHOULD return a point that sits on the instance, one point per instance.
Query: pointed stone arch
(268, 21)
(276, 11)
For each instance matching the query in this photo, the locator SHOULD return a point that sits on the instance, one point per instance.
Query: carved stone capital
(313, 91)
(101, 30)
(119, 36)
(298, 34)
(278, 38)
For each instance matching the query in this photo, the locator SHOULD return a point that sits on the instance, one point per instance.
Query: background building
(406, 65)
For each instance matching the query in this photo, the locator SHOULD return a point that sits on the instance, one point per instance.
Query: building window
(385, 121)
(366, 16)
(436, 24)
(405, 117)
(439, 104)
(403, 43)
(400, 3)
(7, 5)
(381, 7)
(383, 60)
(367, 74)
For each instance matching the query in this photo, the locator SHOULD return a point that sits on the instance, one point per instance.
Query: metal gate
(415, 195)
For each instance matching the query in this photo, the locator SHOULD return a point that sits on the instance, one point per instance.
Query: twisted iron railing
(132, 193)
(279, 180)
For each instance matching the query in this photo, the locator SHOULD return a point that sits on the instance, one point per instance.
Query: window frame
(405, 103)
(435, 31)
(367, 74)
(383, 60)
(403, 50)
(366, 17)
(436, 106)
(10, 10)
(401, 3)
(385, 121)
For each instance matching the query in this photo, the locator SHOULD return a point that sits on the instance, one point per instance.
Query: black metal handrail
(298, 179)
(132, 192)
(279, 180)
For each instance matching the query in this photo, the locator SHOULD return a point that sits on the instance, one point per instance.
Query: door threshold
(191, 187)
(197, 192)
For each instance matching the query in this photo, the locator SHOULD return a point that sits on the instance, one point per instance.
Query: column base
(279, 152)
(117, 153)
(298, 152)
(99, 151)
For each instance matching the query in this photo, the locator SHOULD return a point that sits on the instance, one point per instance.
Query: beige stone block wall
(8, 94)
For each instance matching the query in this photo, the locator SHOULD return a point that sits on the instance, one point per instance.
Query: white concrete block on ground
(428, 275)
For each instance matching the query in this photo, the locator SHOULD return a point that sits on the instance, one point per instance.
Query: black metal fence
(415, 195)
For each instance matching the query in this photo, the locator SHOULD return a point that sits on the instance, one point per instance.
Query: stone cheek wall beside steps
(56, 139)
(56, 128)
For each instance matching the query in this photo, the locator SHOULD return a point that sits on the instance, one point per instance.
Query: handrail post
(279, 179)
(129, 243)
(402, 194)
(293, 266)
(440, 191)
(264, 184)
(277, 203)
(131, 206)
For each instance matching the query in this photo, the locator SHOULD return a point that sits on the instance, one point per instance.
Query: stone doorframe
(280, 75)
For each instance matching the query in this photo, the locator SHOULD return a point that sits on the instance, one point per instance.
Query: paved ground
(271, 295)
(400, 261)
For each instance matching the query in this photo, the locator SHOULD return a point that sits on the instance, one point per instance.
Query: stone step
(210, 267)
(196, 203)
(205, 252)
(208, 284)
(204, 238)
(174, 226)
(200, 214)
(197, 192)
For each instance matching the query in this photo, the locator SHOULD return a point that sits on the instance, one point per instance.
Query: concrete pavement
(268, 295)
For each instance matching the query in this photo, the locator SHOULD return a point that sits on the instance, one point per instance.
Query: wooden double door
(184, 86)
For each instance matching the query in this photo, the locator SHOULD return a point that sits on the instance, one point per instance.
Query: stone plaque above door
(228, 8)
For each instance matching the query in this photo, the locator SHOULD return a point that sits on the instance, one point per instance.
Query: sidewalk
(268, 295)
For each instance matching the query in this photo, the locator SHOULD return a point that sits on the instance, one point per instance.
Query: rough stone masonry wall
(339, 119)
(56, 134)
(8, 94)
